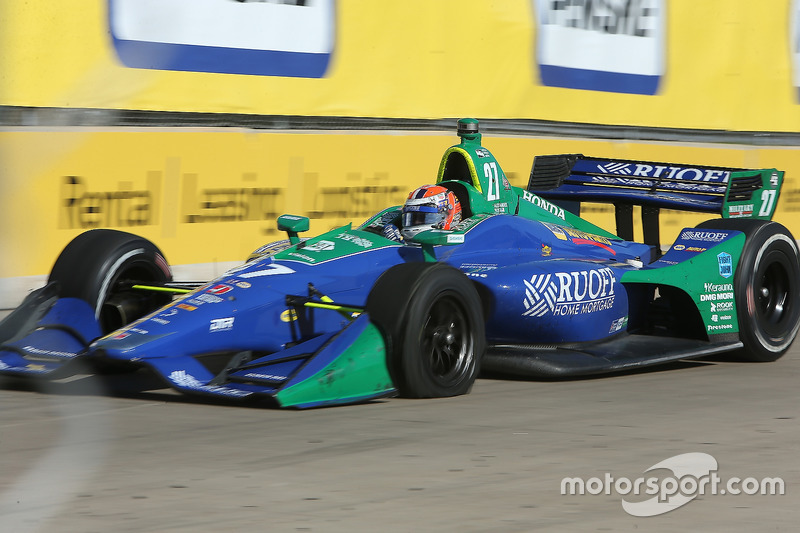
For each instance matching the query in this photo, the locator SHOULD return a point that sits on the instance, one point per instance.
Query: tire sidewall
(435, 285)
(766, 243)
(767, 247)
(93, 262)
(397, 304)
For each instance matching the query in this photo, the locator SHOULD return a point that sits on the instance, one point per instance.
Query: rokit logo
(569, 293)
(601, 45)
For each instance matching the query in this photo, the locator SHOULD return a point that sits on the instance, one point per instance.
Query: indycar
(522, 286)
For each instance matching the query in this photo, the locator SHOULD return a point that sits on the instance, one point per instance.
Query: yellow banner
(717, 64)
(213, 196)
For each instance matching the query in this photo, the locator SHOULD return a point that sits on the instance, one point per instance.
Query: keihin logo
(601, 45)
(691, 475)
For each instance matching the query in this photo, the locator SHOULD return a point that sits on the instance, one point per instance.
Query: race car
(471, 274)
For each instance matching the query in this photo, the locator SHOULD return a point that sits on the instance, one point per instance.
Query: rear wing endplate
(570, 179)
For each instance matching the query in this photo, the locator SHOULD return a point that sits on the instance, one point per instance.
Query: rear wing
(570, 179)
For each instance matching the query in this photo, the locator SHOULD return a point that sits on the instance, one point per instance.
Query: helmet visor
(418, 215)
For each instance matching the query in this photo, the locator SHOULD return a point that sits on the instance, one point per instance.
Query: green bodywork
(761, 201)
(714, 299)
(358, 372)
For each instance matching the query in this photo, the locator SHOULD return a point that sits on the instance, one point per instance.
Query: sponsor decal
(271, 377)
(565, 233)
(456, 238)
(320, 246)
(475, 267)
(220, 289)
(725, 264)
(739, 211)
(160, 321)
(205, 298)
(477, 270)
(538, 201)
(618, 324)
(243, 284)
(48, 353)
(289, 315)
(182, 379)
(718, 327)
(501, 207)
(677, 186)
(569, 293)
(186, 307)
(612, 46)
(221, 324)
(679, 247)
(547, 250)
(665, 172)
(120, 336)
(704, 236)
(718, 287)
(482, 152)
(358, 241)
(272, 248)
(721, 307)
(304, 257)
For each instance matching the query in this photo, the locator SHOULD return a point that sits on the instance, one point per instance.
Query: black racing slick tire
(93, 266)
(766, 288)
(432, 318)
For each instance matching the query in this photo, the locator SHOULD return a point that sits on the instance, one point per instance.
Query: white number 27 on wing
(490, 172)
(767, 201)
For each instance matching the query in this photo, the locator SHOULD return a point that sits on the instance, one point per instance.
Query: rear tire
(91, 266)
(766, 288)
(432, 317)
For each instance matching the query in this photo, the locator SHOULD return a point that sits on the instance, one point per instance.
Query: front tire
(766, 288)
(91, 266)
(432, 317)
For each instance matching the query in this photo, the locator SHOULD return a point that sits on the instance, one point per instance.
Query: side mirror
(436, 237)
(293, 224)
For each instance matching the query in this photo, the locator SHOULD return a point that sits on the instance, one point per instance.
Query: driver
(429, 207)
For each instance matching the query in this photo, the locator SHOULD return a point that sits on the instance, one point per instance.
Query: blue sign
(292, 38)
(601, 46)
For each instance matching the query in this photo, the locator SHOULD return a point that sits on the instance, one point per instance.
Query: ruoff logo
(569, 293)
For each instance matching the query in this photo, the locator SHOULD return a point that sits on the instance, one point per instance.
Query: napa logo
(612, 46)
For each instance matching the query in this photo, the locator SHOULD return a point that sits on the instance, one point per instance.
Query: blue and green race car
(521, 285)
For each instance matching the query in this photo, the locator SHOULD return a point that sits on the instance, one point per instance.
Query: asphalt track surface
(86, 455)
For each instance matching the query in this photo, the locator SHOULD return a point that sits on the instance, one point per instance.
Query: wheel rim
(773, 296)
(121, 307)
(446, 341)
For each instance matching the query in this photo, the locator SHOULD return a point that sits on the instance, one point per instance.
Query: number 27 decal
(490, 172)
(767, 202)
